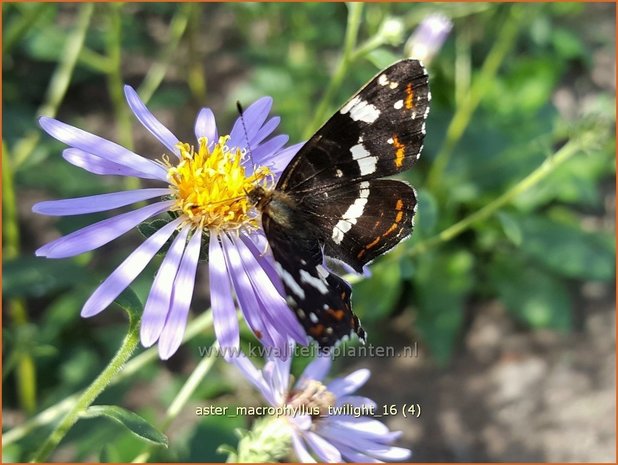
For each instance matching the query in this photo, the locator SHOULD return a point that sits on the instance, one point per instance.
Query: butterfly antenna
(242, 121)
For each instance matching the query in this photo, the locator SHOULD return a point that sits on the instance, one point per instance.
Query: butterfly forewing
(378, 132)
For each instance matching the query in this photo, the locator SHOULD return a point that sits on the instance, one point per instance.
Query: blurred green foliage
(528, 255)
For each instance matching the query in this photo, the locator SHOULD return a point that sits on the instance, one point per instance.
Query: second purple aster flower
(203, 185)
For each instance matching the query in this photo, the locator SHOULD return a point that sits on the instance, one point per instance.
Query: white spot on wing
(360, 110)
(319, 284)
(359, 151)
(338, 173)
(291, 282)
(351, 215)
(366, 163)
(323, 272)
(313, 317)
(338, 234)
(398, 105)
(348, 106)
(383, 80)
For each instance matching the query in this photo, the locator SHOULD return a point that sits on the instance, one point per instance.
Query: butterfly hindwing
(361, 221)
(378, 132)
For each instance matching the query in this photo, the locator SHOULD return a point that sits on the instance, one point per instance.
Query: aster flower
(204, 188)
(314, 414)
(428, 37)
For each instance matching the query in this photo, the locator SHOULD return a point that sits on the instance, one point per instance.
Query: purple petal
(160, 297)
(277, 309)
(128, 270)
(257, 244)
(253, 118)
(206, 126)
(345, 437)
(279, 161)
(316, 370)
(364, 427)
(182, 294)
(356, 401)
(222, 303)
(354, 456)
(265, 131)
(100, 233)
(349, 384)
(149, 121)
(247, 300)
(98, 165)
(254, 376)
(322, 448)
(301, 451)
(268, 149)
(100, 147)
(280, 376)
(96, 203)
(428, 37)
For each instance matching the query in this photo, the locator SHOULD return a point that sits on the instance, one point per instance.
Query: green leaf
(132, 421)
(532, 296)
(442, 283)
(37, 277)
(375, 297)
(567, 250)
(510, 227)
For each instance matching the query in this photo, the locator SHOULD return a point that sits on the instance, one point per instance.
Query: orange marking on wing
(399, 205)
(409, 103)
(399, 217)
(317, 330)
(390, 230)
(400, 152)
(336, 314)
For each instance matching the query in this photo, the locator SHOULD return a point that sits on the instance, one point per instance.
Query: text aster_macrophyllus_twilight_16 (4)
(204, 187)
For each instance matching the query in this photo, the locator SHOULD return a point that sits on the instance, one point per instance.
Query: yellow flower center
(210, 186)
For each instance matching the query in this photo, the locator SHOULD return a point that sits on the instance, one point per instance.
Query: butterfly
(332, 201)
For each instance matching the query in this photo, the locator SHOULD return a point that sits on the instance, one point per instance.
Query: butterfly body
(331, 199)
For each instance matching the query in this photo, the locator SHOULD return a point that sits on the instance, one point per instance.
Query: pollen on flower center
(210, 185)
(313, 397)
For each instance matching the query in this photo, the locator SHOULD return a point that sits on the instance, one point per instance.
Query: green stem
(157, 71)
(25, 367)
(115, 84)
(196, 77)
(10, 225)
(464, 112)
(114, 78)
(181, 399)
(550, 164)
(92, 392)
(198, 326)
(355, 11)
(58, 84)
